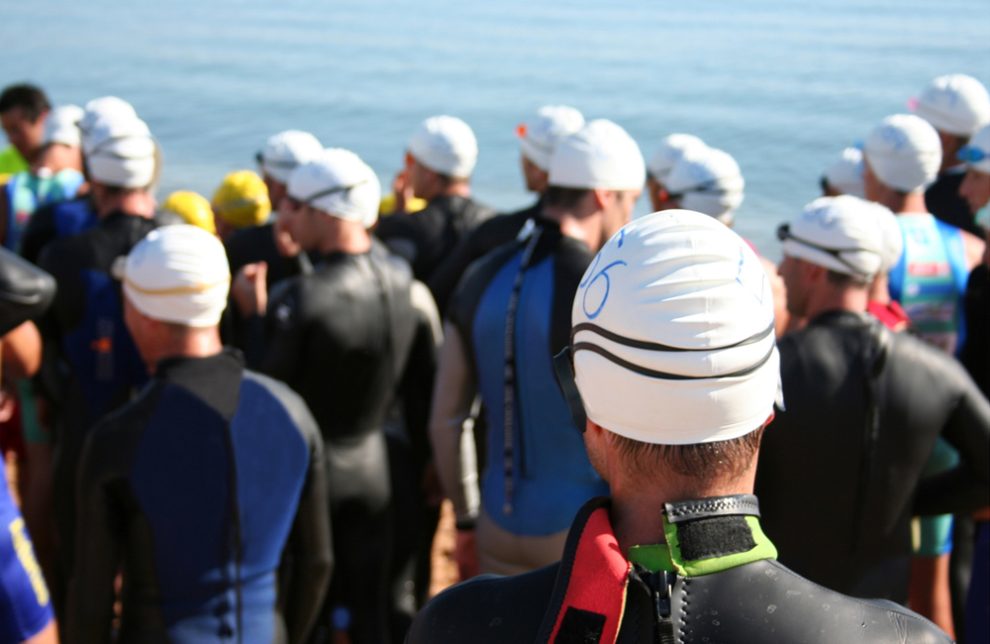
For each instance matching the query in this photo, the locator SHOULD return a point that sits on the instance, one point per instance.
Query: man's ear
(602, 197)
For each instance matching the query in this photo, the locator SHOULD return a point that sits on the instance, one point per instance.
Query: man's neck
(837, 298)
(455, 189)
(577, 224)
(352, 240)
(903, 203)
(198, 343)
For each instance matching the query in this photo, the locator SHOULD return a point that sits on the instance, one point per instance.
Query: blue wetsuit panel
(25, 606)
(552, 476)
(271, 471)
(73, 217)
(100, 350)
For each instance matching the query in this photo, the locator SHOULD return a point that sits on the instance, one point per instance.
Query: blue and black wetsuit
(943, 200)
(537, 474)
(92, 362)
(199, 490)
(25, 604)
(345, 338)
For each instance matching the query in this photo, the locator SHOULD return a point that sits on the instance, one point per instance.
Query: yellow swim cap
(192, 207)
(242, 200)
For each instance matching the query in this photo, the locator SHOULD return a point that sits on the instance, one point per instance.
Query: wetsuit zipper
(660, 584)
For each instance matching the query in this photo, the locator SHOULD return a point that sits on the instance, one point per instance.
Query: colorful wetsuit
(425, 238)
(712, 578)
(343, 337)
(512, 312)
(11, 161)
(26, 192)
(25, 605)
(200, 489)
(929, 280)
(87, 341)
(844, 460)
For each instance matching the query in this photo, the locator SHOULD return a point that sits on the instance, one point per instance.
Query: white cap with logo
(904, 152)
(178, 274)
(338, 183)
(673, 334)
(956, 104)
(599, 155)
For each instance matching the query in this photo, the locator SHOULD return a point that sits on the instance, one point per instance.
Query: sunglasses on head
(971, 154)
(563, 367)
(784, 234)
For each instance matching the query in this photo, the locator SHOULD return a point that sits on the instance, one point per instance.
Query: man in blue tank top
(208, 486)
(902, 156)
(509, 316)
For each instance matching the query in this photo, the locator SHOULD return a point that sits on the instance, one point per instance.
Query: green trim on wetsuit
(11, 161)
(668, 557)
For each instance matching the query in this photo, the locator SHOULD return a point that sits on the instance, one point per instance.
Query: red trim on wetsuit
(891, 315)
(599, 574)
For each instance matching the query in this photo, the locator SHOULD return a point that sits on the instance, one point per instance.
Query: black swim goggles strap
(330, 191)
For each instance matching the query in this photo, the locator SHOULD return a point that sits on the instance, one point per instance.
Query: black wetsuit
(700, 594)
(342, 337)
(25, 291)
(195, 489)
(93, 363)
(835, 487)
(427, 237)
(942, 200)
(247, 246)
(488, 236)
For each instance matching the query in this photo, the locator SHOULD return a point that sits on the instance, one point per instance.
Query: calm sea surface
(782, 85)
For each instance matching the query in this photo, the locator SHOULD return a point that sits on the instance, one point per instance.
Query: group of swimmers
(249, 407)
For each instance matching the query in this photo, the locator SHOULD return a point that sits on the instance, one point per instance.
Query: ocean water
(782, 85)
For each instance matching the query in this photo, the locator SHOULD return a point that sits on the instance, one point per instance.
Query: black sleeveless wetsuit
(827, 476)
(342, 337)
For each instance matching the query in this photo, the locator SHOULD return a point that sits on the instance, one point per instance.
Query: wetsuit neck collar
(707, 536)
(213, 379)
(703, 537)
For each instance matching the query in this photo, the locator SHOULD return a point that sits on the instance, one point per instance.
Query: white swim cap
(904, 152)
(105, 107)
(957, 104)
(976, 153)
(846, 173)
(178, 274)
(121, 152)
(843, 234)
(673, 334)
(285, 151)
(672, 148)
(445, 144)
(539, 136)
(599, 155)
(62, 126)
(340, 184)
(707, 180)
